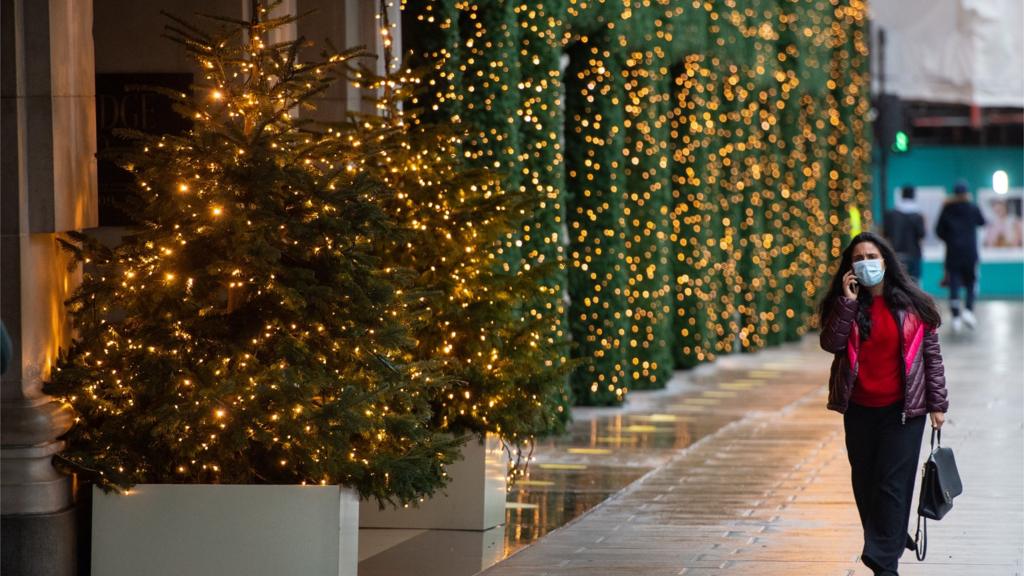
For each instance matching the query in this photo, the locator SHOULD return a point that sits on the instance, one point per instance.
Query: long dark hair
(898, 290)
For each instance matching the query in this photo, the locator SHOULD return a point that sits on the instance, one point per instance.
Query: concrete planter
(212, 530)
(446, 552)
(473, 500)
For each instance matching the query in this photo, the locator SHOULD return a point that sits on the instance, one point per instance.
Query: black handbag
(940, 483)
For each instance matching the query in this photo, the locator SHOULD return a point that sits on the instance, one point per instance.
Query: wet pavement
(742, 471)
(609, 448)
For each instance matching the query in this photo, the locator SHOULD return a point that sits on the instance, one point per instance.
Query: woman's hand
(937, 419)
(850, 285)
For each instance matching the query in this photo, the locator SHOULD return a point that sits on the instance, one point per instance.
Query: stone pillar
(47, 186)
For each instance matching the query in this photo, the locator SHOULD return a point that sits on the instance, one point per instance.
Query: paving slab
(764, 489)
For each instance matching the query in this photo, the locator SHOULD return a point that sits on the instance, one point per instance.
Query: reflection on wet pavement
(604, 450)
(607, 449)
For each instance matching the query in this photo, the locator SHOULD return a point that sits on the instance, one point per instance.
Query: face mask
(869, 272)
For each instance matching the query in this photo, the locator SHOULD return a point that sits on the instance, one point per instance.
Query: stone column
(47, 186)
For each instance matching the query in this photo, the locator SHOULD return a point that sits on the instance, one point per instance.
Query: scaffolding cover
(954, 51)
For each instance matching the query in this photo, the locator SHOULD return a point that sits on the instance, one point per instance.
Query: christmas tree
(504, 370)
(251, 329)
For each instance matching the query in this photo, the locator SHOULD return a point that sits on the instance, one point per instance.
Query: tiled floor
(742, 471)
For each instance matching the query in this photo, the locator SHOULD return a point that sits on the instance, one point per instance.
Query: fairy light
(502, 329)
(235, 239)
(681, 192)
(711, 150)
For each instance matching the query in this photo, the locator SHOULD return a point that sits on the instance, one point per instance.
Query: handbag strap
(921, 538)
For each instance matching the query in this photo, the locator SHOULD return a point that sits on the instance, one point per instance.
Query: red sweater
(878, 377)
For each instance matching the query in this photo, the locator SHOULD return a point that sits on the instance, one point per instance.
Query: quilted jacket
(924, 379)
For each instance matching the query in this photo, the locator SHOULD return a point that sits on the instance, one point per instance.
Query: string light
(680, 196)
(710, 152)
(284, 356)
(489, 70)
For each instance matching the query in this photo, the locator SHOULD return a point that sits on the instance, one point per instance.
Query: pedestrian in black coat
(904, 229)
(958, 228)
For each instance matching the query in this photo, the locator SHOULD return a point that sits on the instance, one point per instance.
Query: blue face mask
(869, 272)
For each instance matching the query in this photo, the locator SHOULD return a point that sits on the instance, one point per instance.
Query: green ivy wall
(692, 162)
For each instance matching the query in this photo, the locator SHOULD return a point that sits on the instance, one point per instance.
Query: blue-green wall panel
(935, 166)
(996, 280)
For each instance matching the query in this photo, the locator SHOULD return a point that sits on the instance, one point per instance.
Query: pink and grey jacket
(924, 379)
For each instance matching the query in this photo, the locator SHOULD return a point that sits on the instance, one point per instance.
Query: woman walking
(886, 376)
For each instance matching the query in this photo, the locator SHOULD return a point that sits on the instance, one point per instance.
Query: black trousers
(883, 457)
(961, 276)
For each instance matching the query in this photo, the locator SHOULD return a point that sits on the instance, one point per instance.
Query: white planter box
(473, 500)
(437, 552)
(214, 530)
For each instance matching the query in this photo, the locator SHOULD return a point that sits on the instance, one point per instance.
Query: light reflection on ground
(604, 451)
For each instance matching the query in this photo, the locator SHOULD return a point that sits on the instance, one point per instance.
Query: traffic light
(902, 142)
(891, 127)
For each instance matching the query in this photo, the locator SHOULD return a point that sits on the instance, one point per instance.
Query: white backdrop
(1009, 247)
(956, 51)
